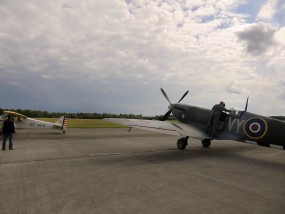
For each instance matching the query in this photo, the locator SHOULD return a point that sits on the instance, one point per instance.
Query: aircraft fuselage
(238, 126)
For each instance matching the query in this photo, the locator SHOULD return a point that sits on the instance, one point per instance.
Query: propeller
(183, 96)
(169, 112)
(165, 95)
(165, 116)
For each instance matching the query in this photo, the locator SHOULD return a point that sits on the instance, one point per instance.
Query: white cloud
(236, 88)
(113, 56)
(267, 11)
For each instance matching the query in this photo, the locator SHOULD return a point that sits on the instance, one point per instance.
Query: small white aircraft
(25, 122)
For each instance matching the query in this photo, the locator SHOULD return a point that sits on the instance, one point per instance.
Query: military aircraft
(23, 121)
(193, 122)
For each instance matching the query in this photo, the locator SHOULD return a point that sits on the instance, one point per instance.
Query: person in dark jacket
(8, 130)
(215, 116)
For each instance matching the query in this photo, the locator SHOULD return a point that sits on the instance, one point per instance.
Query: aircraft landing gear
(206, 143)
(182, 143)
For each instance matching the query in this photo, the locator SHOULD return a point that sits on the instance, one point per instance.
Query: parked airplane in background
(237, 125)
(23, 121)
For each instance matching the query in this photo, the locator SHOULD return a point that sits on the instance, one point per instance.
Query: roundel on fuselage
(255, 128)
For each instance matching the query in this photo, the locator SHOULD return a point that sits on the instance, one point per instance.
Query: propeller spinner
(169, 112)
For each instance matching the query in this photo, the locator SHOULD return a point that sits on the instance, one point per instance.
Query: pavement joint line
(2, 156)
(87, 156)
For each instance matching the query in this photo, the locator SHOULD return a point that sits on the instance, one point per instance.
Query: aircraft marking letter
(232, 123)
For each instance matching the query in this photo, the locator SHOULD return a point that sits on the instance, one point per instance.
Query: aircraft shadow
(226, 154)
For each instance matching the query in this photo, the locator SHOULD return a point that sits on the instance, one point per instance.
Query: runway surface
(114, 171)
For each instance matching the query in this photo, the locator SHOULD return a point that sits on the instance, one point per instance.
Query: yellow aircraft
(23, 121)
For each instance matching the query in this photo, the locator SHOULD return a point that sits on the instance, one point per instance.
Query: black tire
(181, 144)
(206, 143)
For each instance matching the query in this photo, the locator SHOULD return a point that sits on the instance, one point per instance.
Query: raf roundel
(255, 128)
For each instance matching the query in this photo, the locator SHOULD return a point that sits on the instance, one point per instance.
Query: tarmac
(116, 171)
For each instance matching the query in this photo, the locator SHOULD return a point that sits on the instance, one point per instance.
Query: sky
(113, 56)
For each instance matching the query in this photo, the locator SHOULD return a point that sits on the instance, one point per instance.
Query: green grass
(85, 123)
(89, 123)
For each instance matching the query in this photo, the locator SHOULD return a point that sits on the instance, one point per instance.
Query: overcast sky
(112, 56)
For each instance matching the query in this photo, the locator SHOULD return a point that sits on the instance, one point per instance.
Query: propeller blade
(165, 95)
(165, 116)
(183, 96)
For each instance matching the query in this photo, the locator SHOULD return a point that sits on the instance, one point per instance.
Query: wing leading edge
(21, 117)
(170, 128)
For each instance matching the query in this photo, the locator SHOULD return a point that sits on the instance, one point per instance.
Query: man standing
(215, 116)
(8, 130)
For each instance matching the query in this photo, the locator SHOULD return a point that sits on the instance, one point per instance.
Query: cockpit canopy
(236, 112)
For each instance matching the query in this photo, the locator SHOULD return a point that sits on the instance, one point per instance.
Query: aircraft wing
(165, 127)
(20, 117)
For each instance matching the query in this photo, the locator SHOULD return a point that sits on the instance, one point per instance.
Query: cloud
(258, 38)
(267, 11)
(282, 95)
(236, 88)
(113, 56)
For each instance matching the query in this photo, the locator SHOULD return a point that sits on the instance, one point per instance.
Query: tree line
(81, 115)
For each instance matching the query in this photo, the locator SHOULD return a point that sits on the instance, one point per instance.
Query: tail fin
(64, 123)
(245, 109)
(61, 123)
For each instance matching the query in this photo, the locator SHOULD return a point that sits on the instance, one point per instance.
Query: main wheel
(181, 143)
(206, 143)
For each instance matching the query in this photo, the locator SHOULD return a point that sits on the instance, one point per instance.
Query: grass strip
(85, 123)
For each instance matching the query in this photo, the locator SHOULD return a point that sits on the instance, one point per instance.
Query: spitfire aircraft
(193, 122)
(23, 121)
